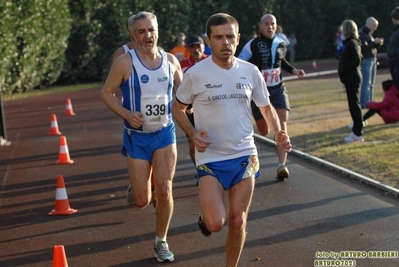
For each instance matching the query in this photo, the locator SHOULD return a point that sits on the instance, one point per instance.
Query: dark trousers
(352, 92)
(395, 74)
(370, 113)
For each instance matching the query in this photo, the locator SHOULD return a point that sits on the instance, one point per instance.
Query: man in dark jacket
(393, 48)
(369, 64)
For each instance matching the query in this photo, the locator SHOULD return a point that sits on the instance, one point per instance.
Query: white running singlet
(222, 106)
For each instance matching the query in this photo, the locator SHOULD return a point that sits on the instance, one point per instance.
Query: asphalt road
(298, 222)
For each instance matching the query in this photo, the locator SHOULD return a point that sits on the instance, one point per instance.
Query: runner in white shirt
(221, 88)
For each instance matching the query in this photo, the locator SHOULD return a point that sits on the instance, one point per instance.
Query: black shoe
(202, 226)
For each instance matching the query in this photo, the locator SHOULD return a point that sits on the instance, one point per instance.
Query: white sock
(157, 239)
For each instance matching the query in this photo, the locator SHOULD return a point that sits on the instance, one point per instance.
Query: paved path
(316, 210)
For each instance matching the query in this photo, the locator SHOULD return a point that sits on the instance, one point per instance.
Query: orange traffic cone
(54, 126)
(61, 199)
(63, 157)
(59, 257)
(69, 111)
(314, 65)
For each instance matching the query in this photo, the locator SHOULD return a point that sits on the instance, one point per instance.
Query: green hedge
(32, 46)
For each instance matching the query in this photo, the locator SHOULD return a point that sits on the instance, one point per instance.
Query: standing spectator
(221, 88)
(393, 48)
(180, 50)
(149, 138)
(196, 47)
(351, 77)
(292, 47)
(369, 64)
(388, 108)
(339, 45)
(266, 52)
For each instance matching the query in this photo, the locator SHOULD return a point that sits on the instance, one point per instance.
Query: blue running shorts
(141, 145)
(232, 171)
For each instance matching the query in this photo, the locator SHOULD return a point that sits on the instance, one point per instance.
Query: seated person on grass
(388, 108)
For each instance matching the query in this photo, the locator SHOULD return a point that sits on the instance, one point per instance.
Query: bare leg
(164, 164)
(240, 197)
(283, 116)
(139, 176)
(211, 201)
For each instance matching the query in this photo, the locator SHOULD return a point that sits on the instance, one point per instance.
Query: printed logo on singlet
(265, 54)
(212, 87)
(242, 86)
(163, 79)
(144, 78)
(262, 45)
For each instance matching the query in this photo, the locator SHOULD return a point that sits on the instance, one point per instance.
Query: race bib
(155, 113)
(272, 77)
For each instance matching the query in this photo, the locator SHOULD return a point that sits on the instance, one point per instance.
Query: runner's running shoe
(129, 195)
(202, 226)
(282, 173)
(162, 252)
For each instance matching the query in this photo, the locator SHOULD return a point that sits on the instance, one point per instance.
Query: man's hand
(200, 143)
(134, 119)
(298, 72)
(283, 140)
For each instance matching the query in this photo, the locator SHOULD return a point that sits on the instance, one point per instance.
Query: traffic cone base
(69, 111)
(61, 199)
(59, 257)
(314, 65)
(63, 157)
(54, 126)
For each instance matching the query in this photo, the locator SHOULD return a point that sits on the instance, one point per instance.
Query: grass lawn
(319, 120)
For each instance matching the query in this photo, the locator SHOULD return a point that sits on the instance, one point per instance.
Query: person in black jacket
(266, 51)
(369, 64)
(393, 48)
(351, 77)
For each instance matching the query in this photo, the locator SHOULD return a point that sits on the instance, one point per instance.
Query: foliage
(33, 43)
(8, 46)
(99, 29)
(72, 41)
(96, 26)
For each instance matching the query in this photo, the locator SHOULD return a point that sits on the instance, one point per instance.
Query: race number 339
(154, 109)
(272, 76)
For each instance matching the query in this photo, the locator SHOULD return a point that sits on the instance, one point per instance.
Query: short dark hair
(220, 19)
(387, 84)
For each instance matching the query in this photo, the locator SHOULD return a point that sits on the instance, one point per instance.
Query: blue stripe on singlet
(170, 87)
(136, 93)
